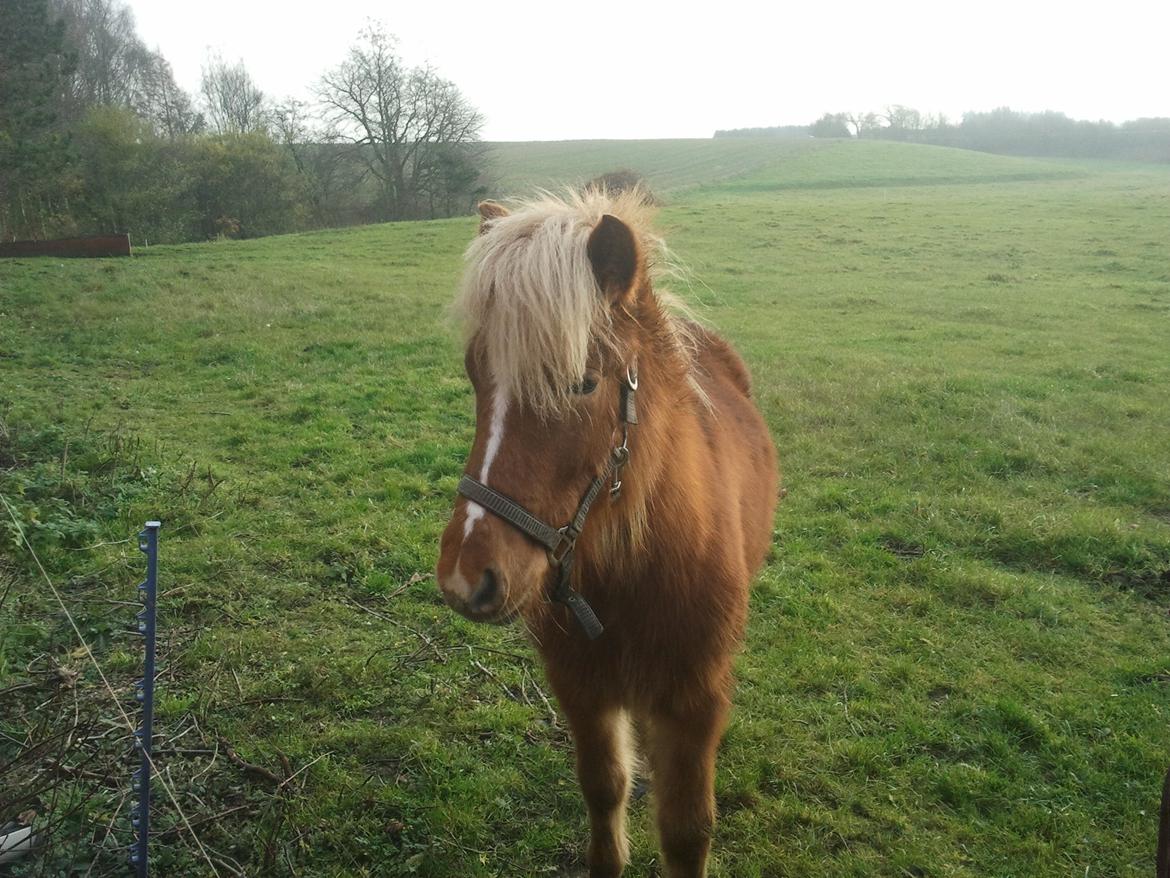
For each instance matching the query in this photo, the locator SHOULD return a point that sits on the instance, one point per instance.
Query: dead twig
(414, 579)
(249, 767)
(77, 771)
(521, 658)
(438, 653)
(99, 545)
(493, 678)
(552, 714)
(179, 829)
(302, 769)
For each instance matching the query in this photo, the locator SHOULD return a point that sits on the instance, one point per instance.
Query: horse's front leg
(601, 736)
(681, 748)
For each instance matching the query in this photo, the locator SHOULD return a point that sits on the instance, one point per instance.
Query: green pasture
(754, 164)
(958, 661)
(668, 165)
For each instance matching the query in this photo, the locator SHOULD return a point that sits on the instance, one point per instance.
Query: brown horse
(619, 497)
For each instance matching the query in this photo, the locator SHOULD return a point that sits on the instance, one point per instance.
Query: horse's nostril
(487, 595)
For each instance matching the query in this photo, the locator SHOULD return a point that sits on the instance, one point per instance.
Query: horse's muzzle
(483, 601)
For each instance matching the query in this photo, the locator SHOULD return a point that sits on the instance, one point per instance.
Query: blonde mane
(530, 296)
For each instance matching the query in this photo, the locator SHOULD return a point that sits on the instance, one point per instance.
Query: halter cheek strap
(561, 542)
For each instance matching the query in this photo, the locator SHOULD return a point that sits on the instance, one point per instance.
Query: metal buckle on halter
(564, 548)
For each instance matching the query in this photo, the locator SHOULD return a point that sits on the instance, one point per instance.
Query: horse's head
(549, 302)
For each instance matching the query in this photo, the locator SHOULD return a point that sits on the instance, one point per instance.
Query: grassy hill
(958, 660)
(667, 164)
(754, 163)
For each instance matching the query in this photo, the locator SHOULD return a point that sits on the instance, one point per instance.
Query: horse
(618, 499)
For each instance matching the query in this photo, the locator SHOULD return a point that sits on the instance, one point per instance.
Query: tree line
(96, 137)
(1002, 130)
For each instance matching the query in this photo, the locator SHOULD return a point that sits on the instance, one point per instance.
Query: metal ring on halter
(632, 377)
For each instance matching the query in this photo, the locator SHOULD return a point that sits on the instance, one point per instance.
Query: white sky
(588, 69)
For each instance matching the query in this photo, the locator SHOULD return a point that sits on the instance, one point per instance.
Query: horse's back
(742, 447)
(718, 358)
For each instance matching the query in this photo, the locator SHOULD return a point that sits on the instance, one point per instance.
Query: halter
(561, 542)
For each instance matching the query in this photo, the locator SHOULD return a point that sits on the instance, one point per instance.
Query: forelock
(531, 300)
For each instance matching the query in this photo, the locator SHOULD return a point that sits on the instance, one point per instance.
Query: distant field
(754, 163)
(958, 661)
(667, 164)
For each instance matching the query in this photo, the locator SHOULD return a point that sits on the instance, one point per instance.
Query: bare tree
(902, 122)
(114, 68)
(292, 126)
(861, 123)
(321, 157)
(414, 130)
(830, 125)
(234, 103)
(109, 55)
(164, 104)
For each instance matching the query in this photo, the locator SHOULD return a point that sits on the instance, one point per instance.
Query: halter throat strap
(561, 542)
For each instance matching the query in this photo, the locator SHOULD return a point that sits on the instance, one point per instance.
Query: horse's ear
(613, 252)
(488, 211)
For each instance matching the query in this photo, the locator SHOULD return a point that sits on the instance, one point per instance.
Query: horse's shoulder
(716, 355)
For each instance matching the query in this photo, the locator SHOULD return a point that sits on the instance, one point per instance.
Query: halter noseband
(561, 542)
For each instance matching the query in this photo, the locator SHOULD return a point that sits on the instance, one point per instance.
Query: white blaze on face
(495, 436)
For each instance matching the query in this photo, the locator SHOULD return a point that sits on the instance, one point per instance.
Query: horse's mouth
(506, 615)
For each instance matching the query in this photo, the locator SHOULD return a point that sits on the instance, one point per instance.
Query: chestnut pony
(618, 497)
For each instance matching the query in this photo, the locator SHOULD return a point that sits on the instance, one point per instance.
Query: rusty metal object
(95, 245)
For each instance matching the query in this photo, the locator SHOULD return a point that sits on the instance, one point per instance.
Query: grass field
(673, 167)
(958, 661)
(669, 165)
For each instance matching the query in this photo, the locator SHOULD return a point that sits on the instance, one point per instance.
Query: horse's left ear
(488, 211)
(613, 252)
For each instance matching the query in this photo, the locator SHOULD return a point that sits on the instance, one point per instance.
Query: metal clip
(620, 456)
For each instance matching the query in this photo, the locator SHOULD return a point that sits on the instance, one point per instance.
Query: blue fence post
(147, 593)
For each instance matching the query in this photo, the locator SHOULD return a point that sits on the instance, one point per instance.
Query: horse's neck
(662, 496)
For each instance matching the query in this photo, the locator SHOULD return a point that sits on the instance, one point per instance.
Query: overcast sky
(554, 71)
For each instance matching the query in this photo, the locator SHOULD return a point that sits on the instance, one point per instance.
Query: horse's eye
(587, 386)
